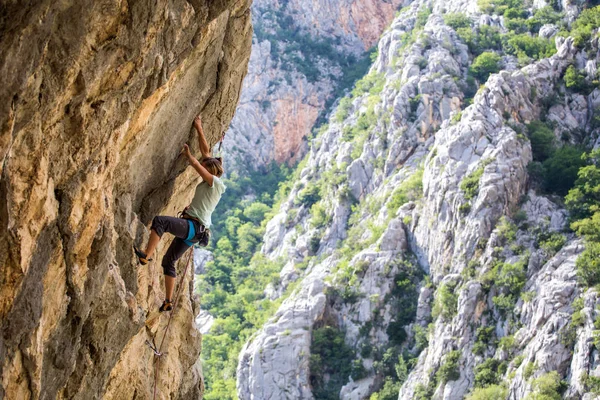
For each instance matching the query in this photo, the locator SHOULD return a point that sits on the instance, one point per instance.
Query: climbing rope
(157, 351)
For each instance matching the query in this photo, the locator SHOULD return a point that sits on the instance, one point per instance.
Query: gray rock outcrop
(412, 120)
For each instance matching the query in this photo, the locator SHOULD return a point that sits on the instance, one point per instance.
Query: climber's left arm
(203, 172)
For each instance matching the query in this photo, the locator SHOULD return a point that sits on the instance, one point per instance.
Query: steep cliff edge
(96, 103)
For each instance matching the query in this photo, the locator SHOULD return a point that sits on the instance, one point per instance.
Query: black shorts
(179, 227)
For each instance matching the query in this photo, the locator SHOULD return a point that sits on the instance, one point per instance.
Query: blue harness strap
(191, 233)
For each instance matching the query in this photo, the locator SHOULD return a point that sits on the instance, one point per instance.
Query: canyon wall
(417, 233)
(303, 55)
(97, 100)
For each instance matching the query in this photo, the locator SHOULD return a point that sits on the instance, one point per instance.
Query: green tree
(487, 374)
(560, 170)
(423, 392)
(588, 264)
(484, 38)
(504, 302)
(515, 20)
(583, 202)
(485, 64)
(511, 277)
(470, 183)
(575, 80)
(542, 140)
(583, 199)
(468, 36)
(256, 211)
(449, 299)
(309, 195)
(457, 20)
(409, 190)
(222, 390)
(587, 227)
(492, 392)
(249, 236)
(543, 16)
(546, 387)
(401, 370)
(320, 218)
(449, 371)
(343, 109)
(446, 301)
(232, 223)
(584, 25)
(389, 391)
(527, 46)
(330, 362)
(497, 6)
(422, 16)
(488, 38)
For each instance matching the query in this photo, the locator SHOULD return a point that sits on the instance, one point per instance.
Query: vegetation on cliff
(499, 277)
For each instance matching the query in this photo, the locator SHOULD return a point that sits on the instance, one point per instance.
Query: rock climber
(194, 225)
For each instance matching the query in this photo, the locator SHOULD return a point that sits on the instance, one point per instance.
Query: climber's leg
(152, 243)
(169, 286)
(160, 224)
(174, 253)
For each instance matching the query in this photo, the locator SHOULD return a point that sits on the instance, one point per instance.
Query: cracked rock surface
(96, 103)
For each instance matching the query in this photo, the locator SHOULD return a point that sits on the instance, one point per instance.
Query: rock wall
(345, 241)
(283, 97)
(96, 103)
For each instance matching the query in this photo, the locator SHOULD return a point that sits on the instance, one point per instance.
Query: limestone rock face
(289, 84)
(356, 23)
(96, 103)
(417, 121)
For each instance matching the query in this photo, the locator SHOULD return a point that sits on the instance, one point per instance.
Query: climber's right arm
(204, 148)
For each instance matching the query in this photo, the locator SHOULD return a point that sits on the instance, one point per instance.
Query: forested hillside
(298, 68)
(439, 239)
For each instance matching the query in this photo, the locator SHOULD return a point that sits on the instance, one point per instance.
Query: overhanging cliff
(96, 102)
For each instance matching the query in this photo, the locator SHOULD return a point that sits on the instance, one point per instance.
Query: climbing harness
(191, 233)
(203, 238)
(157, 350)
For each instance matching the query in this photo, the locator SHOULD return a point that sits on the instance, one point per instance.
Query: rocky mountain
(303, 55)
(427, 239)
(96, 102)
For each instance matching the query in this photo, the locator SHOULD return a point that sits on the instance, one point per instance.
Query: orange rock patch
(294, 119)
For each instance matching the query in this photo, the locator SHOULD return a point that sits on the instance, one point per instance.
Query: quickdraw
(221, 141)
(223, 132)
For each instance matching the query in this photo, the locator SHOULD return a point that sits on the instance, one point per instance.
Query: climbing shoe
(166, 306)
(141, 256)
